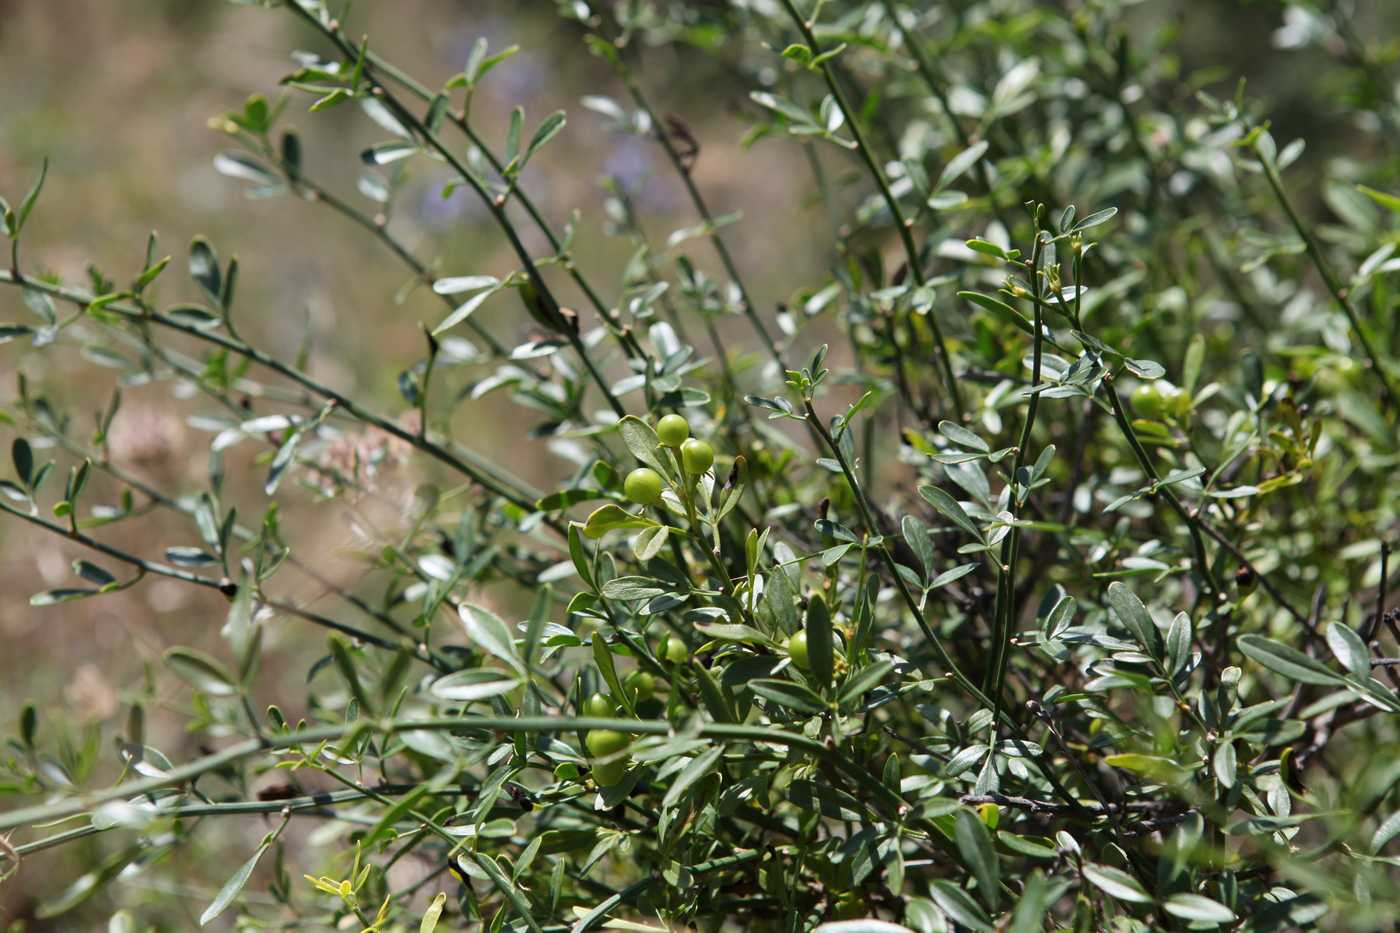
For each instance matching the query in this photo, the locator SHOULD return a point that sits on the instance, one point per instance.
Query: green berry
(1148, 401)
(639, 684)
(599, 707)
(643, 486)
(608, 773)
(673, 649)
(604, 743)
(672, 430)
(607, 744)
(697, 456)
(1160, 398)
(797, 650)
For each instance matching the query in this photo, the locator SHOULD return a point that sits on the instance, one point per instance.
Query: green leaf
(487, 630)
(22, 455)
(603, 658)
(963, 437)
(632, 588)
(475, 684)
(867, 678)
(60, 595)
(613, 518)
(204, 269)
(464, 310)
(579, 554)
(961, 908)
(1223, 763)
(831, 802)
(1152, 766)
(725, 631)
(242, 166)
(27, 205)
(643, 444)
(190, 556)
(959, 164)
(433, 914)
(649, 543)
(1116, 883)
(456, 285)
(977, 850)
(788, 694)
(195, 316)
(1388, 201)
(948, 576)
(1178, 643)
(1000, 309)
(382, 829)
(385, 153)
(234, 885)
(1096, 218)
(716, 699)
(1036, 899)
(1349, 649)
(547, 130)
(916, 535)
(565, 498)
(1198, 909)
(1387, 831)
(1290, 662)
(948, 507)
(517, 123)
(1134, 616)
(345, 665)
(692, 773)
(1191, 367)
(201, 672)
(93, 573)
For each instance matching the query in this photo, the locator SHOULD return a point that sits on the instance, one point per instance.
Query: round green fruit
(608, 773)
(1148, 402)
(639, 684)
(603, 743)
(697, 456)
(672, 430)
(599, 706)
(607, 744)
(1159, 399)
(673, 649)
(850, 906)
(643, 486)
(797, 650)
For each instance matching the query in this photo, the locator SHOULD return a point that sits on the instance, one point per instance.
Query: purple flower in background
(518, 78)
(632, 160)
(438, 214)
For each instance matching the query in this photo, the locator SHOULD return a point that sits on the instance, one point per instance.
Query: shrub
(1027, 570)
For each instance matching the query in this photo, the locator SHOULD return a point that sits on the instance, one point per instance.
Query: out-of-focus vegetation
(1110, 654)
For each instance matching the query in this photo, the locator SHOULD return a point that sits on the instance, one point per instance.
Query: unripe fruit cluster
(644, 485)
(605, 744)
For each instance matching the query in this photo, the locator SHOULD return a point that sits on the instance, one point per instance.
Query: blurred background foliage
(118, 96)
